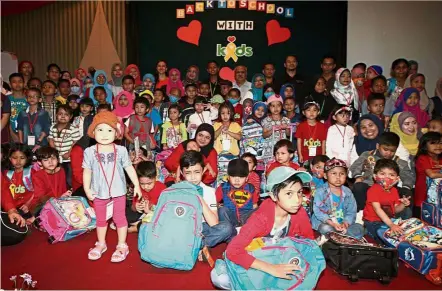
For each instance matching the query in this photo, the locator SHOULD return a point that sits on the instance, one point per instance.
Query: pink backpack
(66, 218)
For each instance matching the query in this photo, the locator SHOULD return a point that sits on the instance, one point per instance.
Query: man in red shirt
(383, 202)
(280, 216)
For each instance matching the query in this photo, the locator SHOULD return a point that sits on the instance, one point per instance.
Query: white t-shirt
(209, 197)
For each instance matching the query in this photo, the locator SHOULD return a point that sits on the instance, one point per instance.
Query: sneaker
(359, 217)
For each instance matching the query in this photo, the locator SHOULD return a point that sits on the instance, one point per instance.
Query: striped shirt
(51, 107)
(64, 139)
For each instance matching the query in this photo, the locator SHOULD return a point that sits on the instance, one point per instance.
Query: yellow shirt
(234, 149)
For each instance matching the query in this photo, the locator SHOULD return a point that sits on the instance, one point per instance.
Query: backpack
(432, 208)
(288, 250)
(174, 237)
(66, 218)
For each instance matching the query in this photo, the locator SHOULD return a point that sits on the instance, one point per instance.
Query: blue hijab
(282, 91)
(109, 96)
(152, 78)
(258, 93)
(363, 144)
(256, 106)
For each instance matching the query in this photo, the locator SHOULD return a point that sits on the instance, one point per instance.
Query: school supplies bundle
(420, 246)
(174, 236)
(162, 172)
(432, 208)
(358, 259)
(66, 218)
(302, 252)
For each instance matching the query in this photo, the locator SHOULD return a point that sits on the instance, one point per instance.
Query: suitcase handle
(387, 255)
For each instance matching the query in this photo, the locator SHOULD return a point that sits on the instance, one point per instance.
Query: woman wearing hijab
(256, 93)
(204, 137)
(76, 87)
(408, 101)
(320, 95)
(80, 74)
(418, 81)
(369, 128)
(134, 71)
(437, 99)
(174, 81)
(192, 76)
(405, 125)
(116, 84)
(149, 82)
(100, 80)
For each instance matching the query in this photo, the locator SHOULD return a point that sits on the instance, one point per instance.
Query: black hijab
(206, 149)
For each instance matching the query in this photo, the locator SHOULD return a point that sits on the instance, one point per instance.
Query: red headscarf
(138, 81)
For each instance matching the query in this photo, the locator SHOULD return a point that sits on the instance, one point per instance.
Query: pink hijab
(124, 112)
(178, 84)
(401, 106)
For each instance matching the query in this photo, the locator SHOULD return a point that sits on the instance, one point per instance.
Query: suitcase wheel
(51, 239)
(353, 278)
(385, 280)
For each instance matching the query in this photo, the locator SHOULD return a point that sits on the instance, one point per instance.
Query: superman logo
(240, 197)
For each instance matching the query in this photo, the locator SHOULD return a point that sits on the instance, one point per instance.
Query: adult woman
(204, 137)
(27, 70)
(161, 77)
(134, 71)
(409, 101)
(399, 74)
(192, 76)
(406, 126)
(369, 128)
(116, 83)
(257, 91)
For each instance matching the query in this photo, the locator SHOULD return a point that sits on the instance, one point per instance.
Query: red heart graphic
(227, 73)
(231, 39)
(190, 33)
(276, 33)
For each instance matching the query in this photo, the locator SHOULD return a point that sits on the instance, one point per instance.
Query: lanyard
(62, 139)
(201, 117)
(309, 131)
(102, 168)
(212, 92)
(32, 124)
(342, 134)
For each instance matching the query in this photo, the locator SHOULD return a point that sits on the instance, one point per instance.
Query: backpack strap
(9, 174)
(391, 85)
(27, 181)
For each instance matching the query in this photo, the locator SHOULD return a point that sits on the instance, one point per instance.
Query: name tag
(312, 151)
(226, 144)
(109, 210)
(31, 140)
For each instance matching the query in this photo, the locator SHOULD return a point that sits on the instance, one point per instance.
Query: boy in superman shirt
(239, 197)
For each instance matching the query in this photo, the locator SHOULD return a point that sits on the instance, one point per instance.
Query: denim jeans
(355, 230)
(213, 235)
(225, 214)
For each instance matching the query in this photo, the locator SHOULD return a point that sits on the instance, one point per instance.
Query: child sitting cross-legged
(150, 189)
(334, 207)
(284, 150)
(280, 216)
(253, 177)
(239, 197)
(383, 202)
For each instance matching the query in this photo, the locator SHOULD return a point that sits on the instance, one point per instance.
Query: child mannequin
(109, 200)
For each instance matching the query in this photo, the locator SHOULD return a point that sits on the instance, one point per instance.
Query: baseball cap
(334, 163)
(280, 174)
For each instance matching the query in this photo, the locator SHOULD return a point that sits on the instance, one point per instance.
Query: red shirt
(173, 161)
(388, 200)
(6, 199)
(238, 113)
(219, 192)
(423, 163)
(254, 179)
(311, 136)
(48, 185)
(17, 190)
(275, 165)
(260, 224)
(77, 154)
(153, 195)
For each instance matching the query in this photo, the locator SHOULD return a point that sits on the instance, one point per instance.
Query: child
(234, 96)
(239, 198)
(376, 106)
(149, 82)
(275, 126)
(174, 131)
(64, 89)
(18, 102)
(83, 121)
(48, 182)
(408, 101)
(253, 177)
(283, 151)
(123, 106)
(340, 136)
(344, 91)
(101, 163)
(53, 73)
(158, 103)
(278, 217)
(225, 86)
(214, 231)
(200, 116)
(129, 84)
(317, 166)
(100, 80)
(204, 90)
(362, 168)
(50, 102)
(311, 134)
(139, 125)
(259, 112)
(216, 101)
(72, 101)
(428, 165)
(227, 131)
(19, 176)
(383, 202)
(150, 189)
(104, 107)
(290, 109)
(62, 137)
(187, 103)
(287, 90)
(334, 207)
(417, 81)
(435, 125)
(33, 124)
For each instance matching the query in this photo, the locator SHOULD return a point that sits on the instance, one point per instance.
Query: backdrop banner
(237, 33)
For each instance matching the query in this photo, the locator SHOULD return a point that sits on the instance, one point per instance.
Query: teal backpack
(289, 250)
(174, 237)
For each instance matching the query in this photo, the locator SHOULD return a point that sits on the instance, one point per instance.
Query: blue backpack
(174, 237)
(303, 252)
(432, 208)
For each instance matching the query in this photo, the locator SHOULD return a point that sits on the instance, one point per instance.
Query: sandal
(120, 253)
(95, 253)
